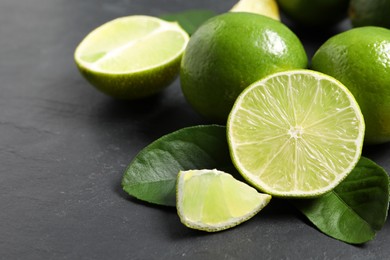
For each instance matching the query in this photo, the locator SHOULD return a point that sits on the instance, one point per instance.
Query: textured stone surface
(64, 147)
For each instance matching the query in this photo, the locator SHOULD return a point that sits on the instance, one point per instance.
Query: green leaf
(355, 209)
(151, 176)
(189, 20)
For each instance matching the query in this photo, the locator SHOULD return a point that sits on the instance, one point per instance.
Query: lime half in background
(132, 57)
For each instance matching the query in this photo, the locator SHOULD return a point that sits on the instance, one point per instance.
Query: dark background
(64, 147)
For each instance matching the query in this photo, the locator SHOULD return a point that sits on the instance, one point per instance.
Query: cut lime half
(132, 57)
(295, 133)
(212, 200)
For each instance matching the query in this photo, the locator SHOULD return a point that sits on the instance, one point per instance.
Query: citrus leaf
(189, 20)
(356, 209)
(152, 174)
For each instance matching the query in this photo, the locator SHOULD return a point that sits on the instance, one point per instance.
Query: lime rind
(115, 44)
(212, 200)
(271, 160)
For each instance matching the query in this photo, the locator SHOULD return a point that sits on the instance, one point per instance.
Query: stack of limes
(291, 132)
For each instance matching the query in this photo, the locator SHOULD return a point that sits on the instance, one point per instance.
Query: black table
(64, 147)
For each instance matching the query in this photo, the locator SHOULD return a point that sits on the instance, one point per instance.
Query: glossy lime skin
(231, 51)
(360, 59)
(369, 13)
(315, 13)
(136, 85)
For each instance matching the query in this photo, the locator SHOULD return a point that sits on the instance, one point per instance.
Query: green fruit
(132, 57)
(315, 13)
(231, 51)
(296, 133)
(212, 200)
(371, 12)
(360, 59)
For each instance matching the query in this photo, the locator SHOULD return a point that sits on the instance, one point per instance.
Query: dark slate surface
(64, 147)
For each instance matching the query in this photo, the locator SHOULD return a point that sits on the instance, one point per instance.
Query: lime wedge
(264, 7)
(212, 200)
(132, 57)
(295, 133)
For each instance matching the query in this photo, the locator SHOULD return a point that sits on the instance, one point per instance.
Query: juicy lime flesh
(296, 134)
(131, 44)
(110, 37)
(143, 53)
(212, 200)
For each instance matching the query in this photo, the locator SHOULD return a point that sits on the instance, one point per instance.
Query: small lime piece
(212, 200)
(264, 7)
(295, 133)
(132, 57)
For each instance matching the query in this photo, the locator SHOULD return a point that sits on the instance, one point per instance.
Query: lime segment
(213, 200)
(296, 133)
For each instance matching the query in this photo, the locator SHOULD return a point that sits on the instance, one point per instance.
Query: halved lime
(296, 133)
(213, 200)
(132, 57)
(264, 7)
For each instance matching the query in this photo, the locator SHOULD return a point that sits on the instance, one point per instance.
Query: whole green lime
(373, 12)
(360, 59)
(231, 51)
(315, 13)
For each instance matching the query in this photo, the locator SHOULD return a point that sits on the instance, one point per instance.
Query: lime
(228, 53)
(264, 7)
(373, 12)
(213, 200)
(296, 133)
(360, 59)
(132, 57)
(315, 13)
